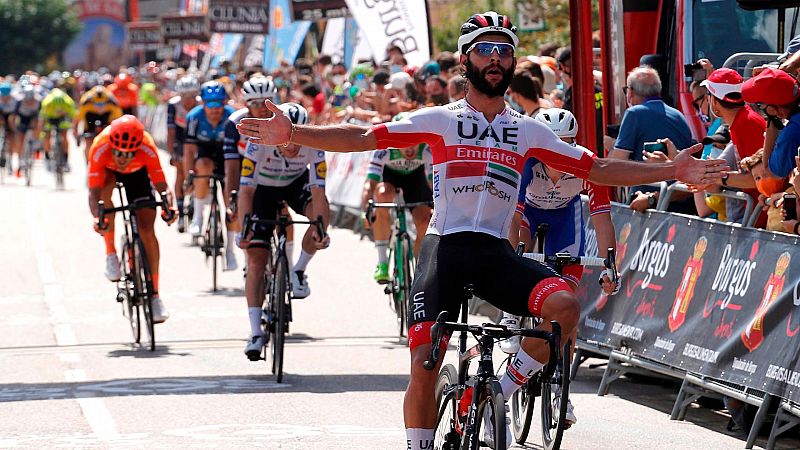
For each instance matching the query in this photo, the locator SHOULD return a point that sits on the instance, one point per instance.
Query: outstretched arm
(279, 130)
(684, 167)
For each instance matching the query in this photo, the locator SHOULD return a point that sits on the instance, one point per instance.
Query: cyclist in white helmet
(178, 107)
(291, 173)
(549, 196)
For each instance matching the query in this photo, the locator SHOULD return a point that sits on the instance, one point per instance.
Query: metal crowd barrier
(787, 417)
(745, 62)
(663, 200)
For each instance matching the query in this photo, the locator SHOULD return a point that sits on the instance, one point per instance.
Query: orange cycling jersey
(101, 159)
(127, 96)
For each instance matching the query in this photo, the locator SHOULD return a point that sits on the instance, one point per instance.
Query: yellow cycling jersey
(90, 109)
(57, 105)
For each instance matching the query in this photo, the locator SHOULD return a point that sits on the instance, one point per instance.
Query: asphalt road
(70, 377)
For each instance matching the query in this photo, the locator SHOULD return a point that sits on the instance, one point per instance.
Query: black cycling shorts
(25, 123)
(447, 263)
(177, 146)
(92, 118)
(137, 184)
(267, 204)
(414, 184)
(216, 155)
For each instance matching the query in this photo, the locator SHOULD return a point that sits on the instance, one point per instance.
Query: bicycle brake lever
(436, 336)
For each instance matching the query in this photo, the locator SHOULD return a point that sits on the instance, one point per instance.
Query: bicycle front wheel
(555, 400)
(280, 294)
(522, 402)
(60, 162)
(403, 283)
(145, 293)
(129, 308)
(446, 436)
(214, 240)
(493, 408)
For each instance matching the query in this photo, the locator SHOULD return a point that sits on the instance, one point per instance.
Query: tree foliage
(555, 12)
(33, 30)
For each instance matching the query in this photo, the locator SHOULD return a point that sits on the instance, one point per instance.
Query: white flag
(402, 23)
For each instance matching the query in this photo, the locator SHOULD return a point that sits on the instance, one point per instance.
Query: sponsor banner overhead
(190, 27)
(101, 41)
(144, 35)
(705, 297)
(404, 24)
(319, 9)
(239, 16)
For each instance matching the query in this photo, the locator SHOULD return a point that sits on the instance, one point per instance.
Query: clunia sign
(239, 16)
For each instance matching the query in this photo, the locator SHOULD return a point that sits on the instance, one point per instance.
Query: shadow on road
(315, 384)
(135, 351)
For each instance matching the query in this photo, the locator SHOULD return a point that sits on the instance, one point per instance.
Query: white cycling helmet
(296, 113)
(257, 88)
(561, 121)
(486, 23)
(187, 85)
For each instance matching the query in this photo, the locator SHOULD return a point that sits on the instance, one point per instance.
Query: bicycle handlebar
(283, 221)
(496, 331)
(371, 205)
(565, 259)
(193, 175)
(162, 203)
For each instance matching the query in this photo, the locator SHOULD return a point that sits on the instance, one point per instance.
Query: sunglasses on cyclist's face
(486, 48)
(99, 104)
(123, 155)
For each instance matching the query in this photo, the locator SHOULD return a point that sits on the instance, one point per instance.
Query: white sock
(522, 367)
(302, 261)
(383, 251)
(231, 244)
(255, 320)
(290, 252)
(199, 204)
(419, 438)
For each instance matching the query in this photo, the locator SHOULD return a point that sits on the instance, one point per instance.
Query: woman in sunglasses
(123, 152)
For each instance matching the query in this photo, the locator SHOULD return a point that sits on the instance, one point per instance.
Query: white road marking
(94, 409)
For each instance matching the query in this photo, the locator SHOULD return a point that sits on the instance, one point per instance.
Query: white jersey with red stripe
(541, 192)
(477, 165)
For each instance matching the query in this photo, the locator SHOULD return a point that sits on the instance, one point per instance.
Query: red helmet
(126, 133)
(122, 80)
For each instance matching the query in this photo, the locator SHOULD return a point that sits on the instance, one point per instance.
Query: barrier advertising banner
(318, 9)
(345, 177)
(239, 16)
(709, 298)
(404, 24)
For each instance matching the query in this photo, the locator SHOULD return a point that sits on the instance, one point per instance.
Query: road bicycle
(277, 306)
(454, 431)
(58, 156)
(135, 288)
(523, 400)
(401, 259)
(212, 242)
(5, 158)
(28, 157)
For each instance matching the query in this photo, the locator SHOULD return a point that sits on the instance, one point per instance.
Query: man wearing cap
(775, 94)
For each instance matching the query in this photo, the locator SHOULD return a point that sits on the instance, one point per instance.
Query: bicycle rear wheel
(446, 435)
(128, 293)
(278, 307)
(145, 294)
(26, 164)
(402, 277)
(554, 419)
(58, 154)
(496, 405)
(213, 242)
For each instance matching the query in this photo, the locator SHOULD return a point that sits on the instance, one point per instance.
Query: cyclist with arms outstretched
(479, 150)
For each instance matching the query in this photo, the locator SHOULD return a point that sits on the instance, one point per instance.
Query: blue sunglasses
(486, 48)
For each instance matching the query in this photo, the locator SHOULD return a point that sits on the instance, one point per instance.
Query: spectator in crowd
(395, 61)
(793, 226)
(649, 119)
(564, 64)
(770, 188)
(557, 98)
(526, 91)
(706, 203)
(790, 59)
(775, 93)
(314, 102)
(455, 88)
(549, 49)
(436, 90)
(448, 64)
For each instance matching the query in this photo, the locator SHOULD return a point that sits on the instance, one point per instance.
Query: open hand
(691, 170)
(273, 131)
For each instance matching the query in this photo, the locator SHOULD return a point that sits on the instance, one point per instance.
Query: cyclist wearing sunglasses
(202, 152)
(479, 147)
(178, 107)
(96, 105)
(123, 152)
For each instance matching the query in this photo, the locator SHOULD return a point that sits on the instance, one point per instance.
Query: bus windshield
(721, 28)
